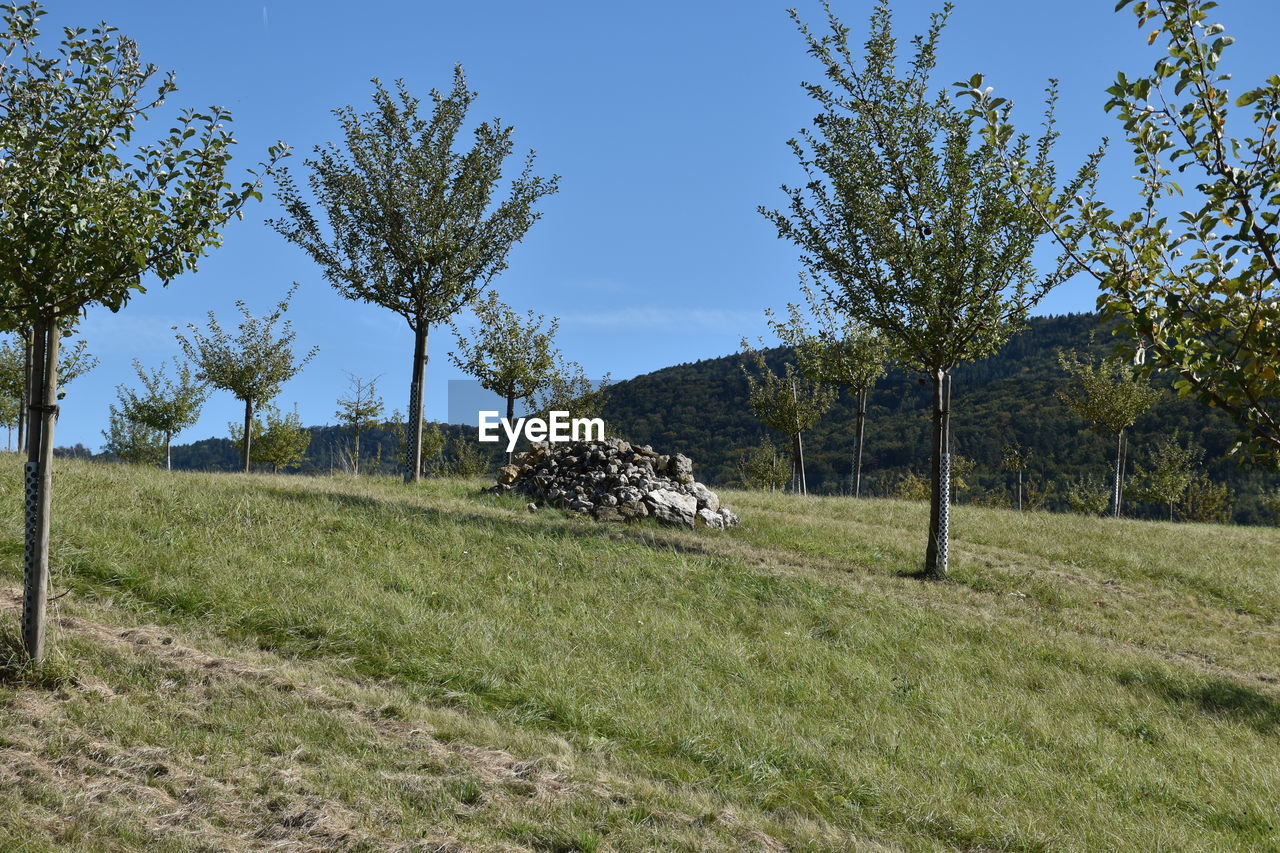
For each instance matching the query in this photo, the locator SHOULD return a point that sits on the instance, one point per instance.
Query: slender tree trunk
(168, 453)
(413, 454)
(247, 444)
(935, 561)
(798, 482)
(857, 458)
(1124, 465)
(356, 461)
(1116, 490)
(511, 417)
(39, 488)
(797, 455)
(1019, 490)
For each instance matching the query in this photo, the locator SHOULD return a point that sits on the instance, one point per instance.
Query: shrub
(764, 468)
(1207, 501)
(912, 487)
(1088, 495)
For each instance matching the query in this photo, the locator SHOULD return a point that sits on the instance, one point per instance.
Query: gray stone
(707, 499)
(711, 519)
(671, 506)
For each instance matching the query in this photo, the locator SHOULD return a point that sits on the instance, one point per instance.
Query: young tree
(839, 351)
(131, 440)
(359, 410)
(1207, 501)
(13, 386)
(1016, 458)
(1088, 495)
(1196, 283)
(412, 222)
(10, 408)
(464, 458)
(164, 406)
(87, 212)
(569, 389)
(433, 443)
(278, 441)
(1173, 467)
(252, 365)
(961, 468)
(1271, 500)
(913, 487)
(15, 376)
(1110, 396)
(909, 216)
(511, 356)
(790, 404)
(762, 467)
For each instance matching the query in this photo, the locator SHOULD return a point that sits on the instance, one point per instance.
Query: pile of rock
(613, 480)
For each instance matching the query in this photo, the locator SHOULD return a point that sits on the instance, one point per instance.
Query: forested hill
(700, 409)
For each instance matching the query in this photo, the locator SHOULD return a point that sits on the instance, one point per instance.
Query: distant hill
(700, 409)
(378, 449)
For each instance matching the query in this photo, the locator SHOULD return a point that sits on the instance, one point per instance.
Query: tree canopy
(512, 356)
(412, 221)
(253, 364)
(163, 405)
(1192, 272)
(909, 220)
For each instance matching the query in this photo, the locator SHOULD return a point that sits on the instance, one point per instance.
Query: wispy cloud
(717, 319)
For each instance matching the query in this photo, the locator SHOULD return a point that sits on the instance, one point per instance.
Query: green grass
(339, 664)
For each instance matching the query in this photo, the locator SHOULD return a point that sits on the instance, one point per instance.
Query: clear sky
(666, 120)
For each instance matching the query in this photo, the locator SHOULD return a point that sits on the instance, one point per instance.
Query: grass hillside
(295, 663)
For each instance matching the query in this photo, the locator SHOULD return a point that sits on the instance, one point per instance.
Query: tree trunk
(935, 561)
(797, 452)
(798, 484)
(1116, 490)
(39, 488)
(247, 444)
(413, 453)
(168, 453)
(1124, 466)
(857, 458)
(1019, 490)
(511, 418)
(356, 462)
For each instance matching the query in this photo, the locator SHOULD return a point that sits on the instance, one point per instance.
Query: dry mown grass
(275, 663)
(75, 786)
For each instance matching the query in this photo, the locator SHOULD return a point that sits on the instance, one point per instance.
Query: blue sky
(666, 120)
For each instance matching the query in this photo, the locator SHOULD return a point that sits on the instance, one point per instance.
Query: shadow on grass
(547, 520)
(1218, 697)
(922, 575)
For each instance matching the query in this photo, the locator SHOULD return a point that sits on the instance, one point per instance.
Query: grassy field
(288, 663)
